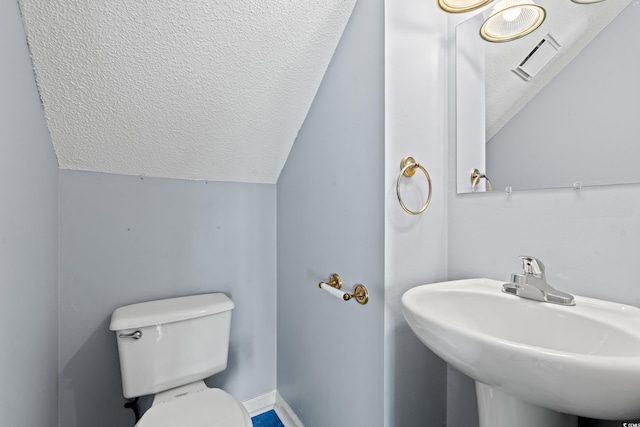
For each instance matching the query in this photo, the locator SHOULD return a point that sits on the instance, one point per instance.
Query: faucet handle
(532, 266)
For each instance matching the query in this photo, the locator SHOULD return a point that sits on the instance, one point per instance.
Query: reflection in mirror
(569, 115)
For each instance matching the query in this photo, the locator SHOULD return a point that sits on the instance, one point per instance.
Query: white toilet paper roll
(333, 291)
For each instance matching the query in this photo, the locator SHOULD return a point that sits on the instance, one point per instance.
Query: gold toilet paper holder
(360, 293)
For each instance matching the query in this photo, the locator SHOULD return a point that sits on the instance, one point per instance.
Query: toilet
(167, 348)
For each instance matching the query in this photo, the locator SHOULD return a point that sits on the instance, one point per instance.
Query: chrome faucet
(533, 284)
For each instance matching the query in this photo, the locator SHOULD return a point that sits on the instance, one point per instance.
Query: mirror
(575, 123)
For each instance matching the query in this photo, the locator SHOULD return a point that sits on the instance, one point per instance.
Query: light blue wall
(124, 240)
(28, 239)
(331, 220)
(415, 245)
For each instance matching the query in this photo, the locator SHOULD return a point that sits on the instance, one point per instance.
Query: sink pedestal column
(497, 409)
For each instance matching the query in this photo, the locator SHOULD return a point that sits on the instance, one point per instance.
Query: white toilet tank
(168, 343)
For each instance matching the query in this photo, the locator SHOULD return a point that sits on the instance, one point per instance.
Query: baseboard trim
(260, 404)
(285, 413)
(273, 400)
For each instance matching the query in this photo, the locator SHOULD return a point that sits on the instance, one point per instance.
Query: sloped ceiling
(204, 90)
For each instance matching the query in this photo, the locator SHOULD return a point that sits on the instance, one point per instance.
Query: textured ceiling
(213, 90)
(572, 25)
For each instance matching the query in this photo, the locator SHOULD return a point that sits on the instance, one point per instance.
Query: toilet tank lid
(169, 310)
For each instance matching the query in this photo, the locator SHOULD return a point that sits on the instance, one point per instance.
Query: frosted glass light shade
(512, 19)
(461, 6)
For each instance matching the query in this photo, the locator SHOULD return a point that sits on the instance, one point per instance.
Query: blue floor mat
(268, 419)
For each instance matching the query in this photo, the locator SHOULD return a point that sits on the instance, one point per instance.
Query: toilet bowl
(167, 348)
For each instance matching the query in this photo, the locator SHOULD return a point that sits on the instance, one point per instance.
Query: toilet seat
(208, 408)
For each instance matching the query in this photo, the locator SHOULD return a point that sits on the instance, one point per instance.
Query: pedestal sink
(535, 363)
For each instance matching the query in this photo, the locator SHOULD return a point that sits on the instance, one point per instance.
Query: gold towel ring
(476, 176)
(408, 168)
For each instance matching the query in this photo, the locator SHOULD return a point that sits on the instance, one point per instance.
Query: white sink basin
(581, 360)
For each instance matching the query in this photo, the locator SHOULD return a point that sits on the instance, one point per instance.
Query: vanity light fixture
(461, 6)
(512, 19)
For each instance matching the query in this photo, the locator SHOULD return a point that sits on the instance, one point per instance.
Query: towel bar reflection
(334, 285)
(408, 168)
(476, 176)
